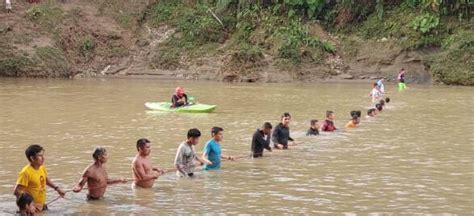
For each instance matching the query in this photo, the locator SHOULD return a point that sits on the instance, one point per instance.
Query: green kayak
(166, 106)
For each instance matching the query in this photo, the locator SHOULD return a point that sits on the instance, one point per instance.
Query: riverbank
(171, 40)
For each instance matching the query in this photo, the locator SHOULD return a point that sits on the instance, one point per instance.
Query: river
(415, 157)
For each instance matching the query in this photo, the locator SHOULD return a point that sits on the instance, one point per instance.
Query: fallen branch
(215, 16)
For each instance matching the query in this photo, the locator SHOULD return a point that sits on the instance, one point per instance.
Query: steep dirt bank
(76, 39)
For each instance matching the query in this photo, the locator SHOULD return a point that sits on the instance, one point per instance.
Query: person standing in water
(380, 85)
(96, 177)
(328, 125)
(144, 174)
(259, 142)
(281, 133)
(353, 123)
(375, 93)
(179, 99)
(33, 178)
(26, 205)
(401, 80)
(212, 150)
(186, 155)
(313, 129)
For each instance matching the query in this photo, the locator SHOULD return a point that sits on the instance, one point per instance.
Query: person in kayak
(313, 129)
(281, 133)
(259, 142)
(328, 125)
(179, 99)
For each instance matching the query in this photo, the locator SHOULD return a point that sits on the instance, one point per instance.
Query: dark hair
(379, 107)
(355, 117)
(32, 150)
(99, 151)
(382, 102)
(359, 113)
(353, 113)
(375, 85)
(328, 113)
(285, 115)
(194, 133)
(387, 100)
(370, 111)
(267, 125)
(141, 143)
(402, 69)
(314, 121)
(23, 200)
(216, 130)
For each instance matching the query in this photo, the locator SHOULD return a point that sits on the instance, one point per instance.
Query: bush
(53, 61)
(12, 67)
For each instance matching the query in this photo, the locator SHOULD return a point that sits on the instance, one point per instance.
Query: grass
(48, 15)
(53, 61)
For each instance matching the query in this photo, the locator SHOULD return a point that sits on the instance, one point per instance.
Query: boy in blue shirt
(212, 150)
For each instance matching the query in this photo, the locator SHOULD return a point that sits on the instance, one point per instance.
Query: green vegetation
(49, 15)
(13, 66)
(249, 28)
(245, 34)
(53, 62)
(454, 64)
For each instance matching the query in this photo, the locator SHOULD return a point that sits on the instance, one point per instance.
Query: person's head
(193, 136)
(217, 133)
(144, 146)
(314, 123)
(371, 112)
(374, 85)
(355, 119)
(35, 154)
(179, 91)
(403, 70)
(358, 113)
(25, 203)
(382, 102)
(387, 100)
(379, 107)
(285, 119)
(330, 115)
(100, 154)
(267, 128)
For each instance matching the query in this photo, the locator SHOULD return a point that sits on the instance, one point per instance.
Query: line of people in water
(30, 187)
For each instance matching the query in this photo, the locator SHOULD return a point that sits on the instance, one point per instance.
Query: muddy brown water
(416, 157)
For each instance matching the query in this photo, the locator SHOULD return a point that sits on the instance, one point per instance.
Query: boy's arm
(18, 190)
(55, 187)
(179, 162)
